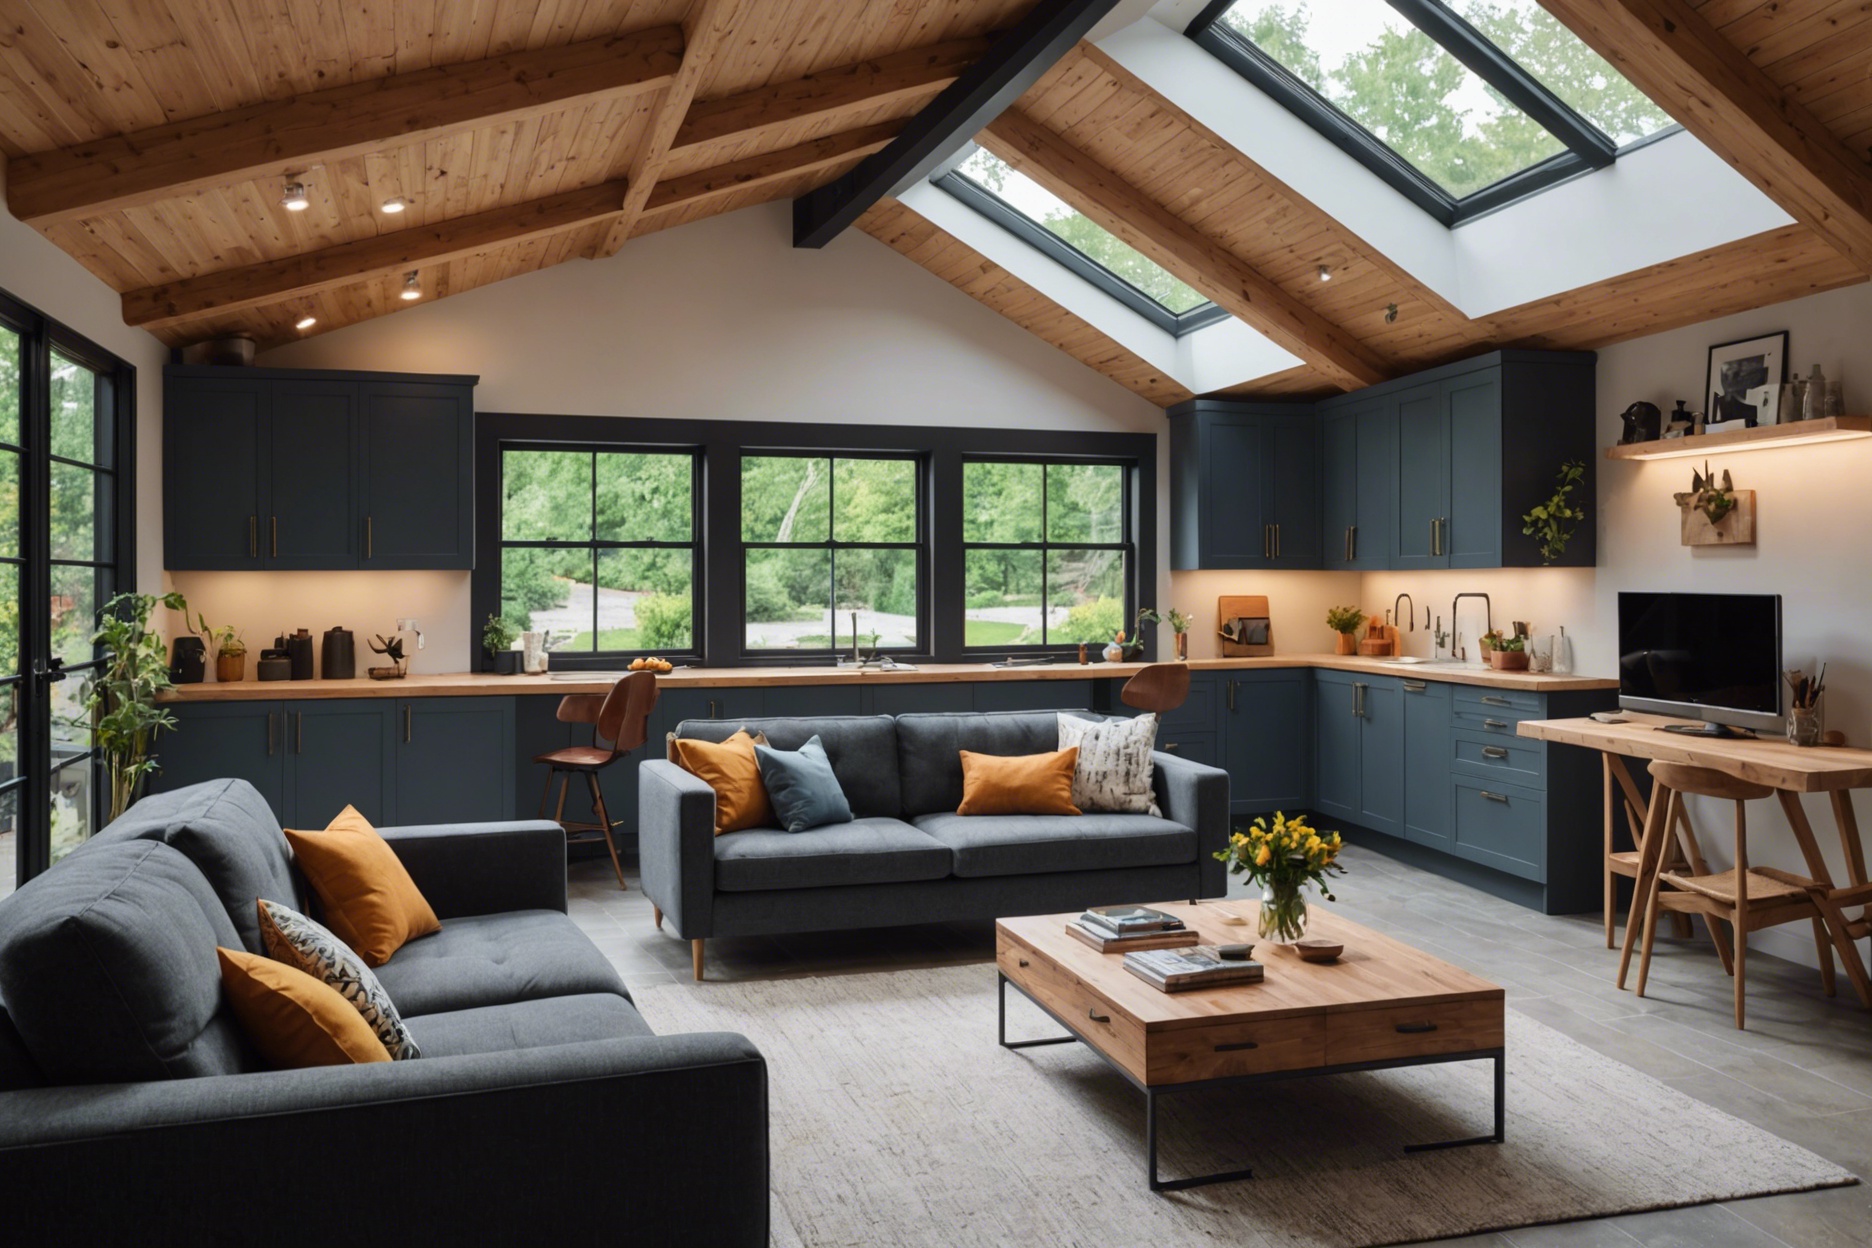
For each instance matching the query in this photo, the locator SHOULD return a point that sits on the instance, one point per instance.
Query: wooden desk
(1788, 769)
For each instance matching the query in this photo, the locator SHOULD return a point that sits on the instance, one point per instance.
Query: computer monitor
(1709, 657)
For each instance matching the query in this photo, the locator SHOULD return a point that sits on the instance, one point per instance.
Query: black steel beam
(982, 93)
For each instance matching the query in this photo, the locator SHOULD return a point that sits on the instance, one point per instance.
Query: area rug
(896, 1119)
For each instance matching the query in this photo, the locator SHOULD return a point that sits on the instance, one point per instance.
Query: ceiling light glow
(393, 206)
(305, 322)
(412, 285)
(295, 199)
(1325, 273)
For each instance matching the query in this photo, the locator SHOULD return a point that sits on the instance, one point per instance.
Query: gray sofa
(543, 1109)
(907, 857)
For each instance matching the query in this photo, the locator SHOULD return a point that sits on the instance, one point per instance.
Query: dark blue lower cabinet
(1336, 746)
(1501, 826)
(1381, 754)
(1267, 726)
(454, 760)
(1198, 747)
(339, 753)
(215, 740)
(1034, 695)
(1427, 794)
(675, 705)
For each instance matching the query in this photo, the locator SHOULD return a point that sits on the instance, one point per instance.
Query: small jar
(1805, 726)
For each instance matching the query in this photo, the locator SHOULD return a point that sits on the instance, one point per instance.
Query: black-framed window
(1049, 552)
(1460, 105)
(67, 545)
(829, 541)
(1042, 220)
(598, 548)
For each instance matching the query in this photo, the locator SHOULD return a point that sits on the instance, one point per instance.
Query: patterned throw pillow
(1114, 771)
(292, 938)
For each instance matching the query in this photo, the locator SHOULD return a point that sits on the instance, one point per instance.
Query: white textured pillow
(292, 938)
(1114, 769)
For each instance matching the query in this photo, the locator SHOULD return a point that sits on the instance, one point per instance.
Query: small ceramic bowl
(1318, 949)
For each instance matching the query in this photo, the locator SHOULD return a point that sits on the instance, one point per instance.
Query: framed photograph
(1736, 368)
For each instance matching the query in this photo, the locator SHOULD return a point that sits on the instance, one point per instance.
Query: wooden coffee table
(1381, 1005)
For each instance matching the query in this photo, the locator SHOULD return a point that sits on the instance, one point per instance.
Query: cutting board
(1250, 606)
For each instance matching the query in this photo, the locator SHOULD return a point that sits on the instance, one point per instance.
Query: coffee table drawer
(1188, 1054)
(1076, 1003)
(1412, 1031)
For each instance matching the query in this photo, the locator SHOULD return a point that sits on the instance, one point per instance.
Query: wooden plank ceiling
(152, 139)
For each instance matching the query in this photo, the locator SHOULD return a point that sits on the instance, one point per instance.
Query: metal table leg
(1001, 1023)
(1501, 1116)
(1150, 1150)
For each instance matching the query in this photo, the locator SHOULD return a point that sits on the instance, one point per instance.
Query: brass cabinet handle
(1277, 542)
(253, 537)
(1494, 723)
(1237, 1047)
(1171, 747)
(269, 734)
(1491, 700)
(275, 520)
(1494, 797)
(1231, 694)
(1358, 698)
(408, 726)
(367, 537)
(299, 730)
(1354, 541)
(1494, 751)
(1415, 686)
(1346, 544)
(1093, 1014)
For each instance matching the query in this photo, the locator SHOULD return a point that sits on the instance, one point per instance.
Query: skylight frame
(1014, 221)
(1588, 148)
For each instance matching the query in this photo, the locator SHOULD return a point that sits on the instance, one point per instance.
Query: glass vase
(1283, 917)
(1182, 647)
(1804, 727)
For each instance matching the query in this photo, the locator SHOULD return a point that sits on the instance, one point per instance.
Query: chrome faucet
(1460, 651)
(1397, 610)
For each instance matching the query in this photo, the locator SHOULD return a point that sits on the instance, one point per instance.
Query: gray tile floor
(1802, 1070)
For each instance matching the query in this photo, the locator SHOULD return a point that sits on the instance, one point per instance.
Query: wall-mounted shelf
(1760, 438)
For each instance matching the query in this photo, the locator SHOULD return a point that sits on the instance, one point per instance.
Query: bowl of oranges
(652, 664)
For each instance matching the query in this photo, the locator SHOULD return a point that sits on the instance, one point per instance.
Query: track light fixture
(412, 285)
(1325, 274)
(295, 199)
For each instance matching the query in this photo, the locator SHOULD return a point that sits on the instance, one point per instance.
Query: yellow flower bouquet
(1282, 858)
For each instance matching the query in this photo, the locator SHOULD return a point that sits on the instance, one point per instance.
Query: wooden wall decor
(1716, 513)
(1253, 608)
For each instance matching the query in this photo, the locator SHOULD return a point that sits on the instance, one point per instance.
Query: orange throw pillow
(370, 901)
(1026, 784)
(294, 1020)
(732, 770)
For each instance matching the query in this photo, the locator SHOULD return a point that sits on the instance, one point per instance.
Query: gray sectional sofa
(907, 857)
(543, 1109)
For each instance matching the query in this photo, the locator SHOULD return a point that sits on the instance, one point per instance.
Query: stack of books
(1117, 929)
(1200, 967)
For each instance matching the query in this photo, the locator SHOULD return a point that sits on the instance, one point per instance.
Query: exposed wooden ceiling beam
(1182, 250)
(768, 167)
(915, 73)
(285, 136)
(704, 30)
(1017, 60)
(1672, 53)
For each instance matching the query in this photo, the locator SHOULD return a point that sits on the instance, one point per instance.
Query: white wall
(719, 320)
(33, 271)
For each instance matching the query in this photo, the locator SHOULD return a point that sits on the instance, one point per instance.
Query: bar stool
(1748, 898)
(1683, 849)
(1161, 687)
(621, 717)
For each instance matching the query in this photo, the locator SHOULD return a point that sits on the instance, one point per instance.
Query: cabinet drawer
(1483, 700)
(1191, 1053)
(1198, 747)
(1413, 1031)
(1492, 720)
(1518, 760)
(1088, 1012)
(1501, 826)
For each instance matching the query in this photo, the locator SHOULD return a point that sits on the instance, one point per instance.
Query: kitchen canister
(533, 653)
(339, 658)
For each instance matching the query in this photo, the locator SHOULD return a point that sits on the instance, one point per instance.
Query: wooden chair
(1161, 687)
(1622, 794)
(621, 717)
(1747, 898)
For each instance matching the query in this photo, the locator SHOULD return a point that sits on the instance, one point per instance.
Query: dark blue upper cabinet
(1244, 486)
(1358, 483)
(1423, 478)
(302, 469)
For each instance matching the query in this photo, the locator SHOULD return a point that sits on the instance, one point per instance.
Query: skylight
(1018, 203)
(1462, 106)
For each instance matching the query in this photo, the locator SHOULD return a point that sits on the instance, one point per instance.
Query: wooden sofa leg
(695, 954)
(657, 911)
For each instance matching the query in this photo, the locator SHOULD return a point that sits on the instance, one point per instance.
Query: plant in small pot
(497, 638)
(1345, 621)
(230, 655)
(1283, 859)
(1507, 654)
(1179, 626)
(120, 696)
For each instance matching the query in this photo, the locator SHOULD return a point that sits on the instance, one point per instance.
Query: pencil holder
(1805, 725)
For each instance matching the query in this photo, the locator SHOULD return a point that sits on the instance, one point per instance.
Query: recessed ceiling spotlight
(393, 206)
(1325, 273)
(305, 322)
(295, 200)
(412, 285)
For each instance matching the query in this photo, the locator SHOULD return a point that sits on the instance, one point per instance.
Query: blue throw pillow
(800, 785)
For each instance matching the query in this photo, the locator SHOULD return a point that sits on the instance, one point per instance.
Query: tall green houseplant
(121, 696)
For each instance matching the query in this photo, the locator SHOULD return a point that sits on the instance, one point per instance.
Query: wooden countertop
(1768, 760)
(472, 684)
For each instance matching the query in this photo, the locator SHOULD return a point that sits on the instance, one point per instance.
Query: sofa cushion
(529, 1025)
(731, 769)
(1024, 784)
(369, 899)
(108, 968)
(231, 835)
(495, 959)
(987, 845)
(802, 786)
(294, 1020)
(862, 750)
(1113, 771)
(304, 945)
(17, 1068)
(864, 851)
(929, 750)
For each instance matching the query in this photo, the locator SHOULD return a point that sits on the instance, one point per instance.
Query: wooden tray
(1251, 606)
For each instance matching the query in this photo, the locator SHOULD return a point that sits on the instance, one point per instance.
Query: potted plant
(1551, 524)
(230, 655)
(1283, 859)
(497, 638)
(1179, 626)
(1508, 654)
(121, 695)
(1345, 621)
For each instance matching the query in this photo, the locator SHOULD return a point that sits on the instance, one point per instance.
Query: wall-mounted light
(412, 285)
(1325, 273)
(392, 206)
(295, 199)
(305, 322)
